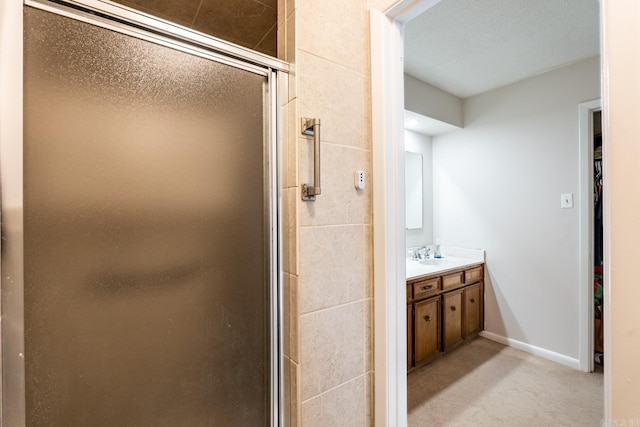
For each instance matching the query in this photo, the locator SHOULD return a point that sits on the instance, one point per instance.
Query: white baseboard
(547, 354)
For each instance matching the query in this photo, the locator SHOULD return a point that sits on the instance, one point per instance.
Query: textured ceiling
(466, 47)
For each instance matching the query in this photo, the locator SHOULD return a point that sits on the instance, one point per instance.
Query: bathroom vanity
(444, 305)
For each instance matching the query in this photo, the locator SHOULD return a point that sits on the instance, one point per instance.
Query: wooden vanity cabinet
(442, 311)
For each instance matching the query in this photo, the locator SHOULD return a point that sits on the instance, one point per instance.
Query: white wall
(419, 143)
(497, 187)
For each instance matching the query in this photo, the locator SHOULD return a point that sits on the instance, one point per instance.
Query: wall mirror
(413, 190)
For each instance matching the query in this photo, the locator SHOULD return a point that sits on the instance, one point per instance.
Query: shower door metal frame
(125, 20)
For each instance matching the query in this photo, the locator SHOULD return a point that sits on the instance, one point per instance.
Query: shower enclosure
(148, 247)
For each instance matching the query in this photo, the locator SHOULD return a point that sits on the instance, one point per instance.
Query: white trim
(532, 349)
(404, 11)
(387, 99)
(586, 234)
(387, 106)
(388, 223)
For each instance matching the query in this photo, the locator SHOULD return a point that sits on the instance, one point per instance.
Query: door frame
(125, 20)
(586, 234)
(387, 19)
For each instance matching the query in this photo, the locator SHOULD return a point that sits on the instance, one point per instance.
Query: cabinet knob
(427, 318)
(453, 308)
(473, 300)
(426, 288)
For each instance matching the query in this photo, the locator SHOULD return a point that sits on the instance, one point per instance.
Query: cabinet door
(427, 330)
(452, 318)
(472, 309)
(409, 337)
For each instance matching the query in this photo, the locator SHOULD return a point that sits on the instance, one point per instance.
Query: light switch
(566, 200)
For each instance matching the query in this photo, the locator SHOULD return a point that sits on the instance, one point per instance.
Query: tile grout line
(193, 22)
(265, 36)
(344, 304)
(336, 144)
(336, 387)
(355, 224)
(360, 73)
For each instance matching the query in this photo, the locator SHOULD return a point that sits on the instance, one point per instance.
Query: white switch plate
(566, 200)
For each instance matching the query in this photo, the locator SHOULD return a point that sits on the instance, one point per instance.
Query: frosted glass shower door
(147, 233)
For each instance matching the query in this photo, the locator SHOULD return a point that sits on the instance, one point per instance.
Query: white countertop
(452, 259)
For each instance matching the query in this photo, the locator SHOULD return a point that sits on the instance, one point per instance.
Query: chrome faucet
(423, 252)
(419, 253)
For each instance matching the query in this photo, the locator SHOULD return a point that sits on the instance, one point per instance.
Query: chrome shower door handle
(312, 127)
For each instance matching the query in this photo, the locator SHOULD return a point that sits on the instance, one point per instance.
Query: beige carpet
(483, 383)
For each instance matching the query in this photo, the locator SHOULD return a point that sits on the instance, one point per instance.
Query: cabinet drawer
(452, 280)
(425, 288)
(473, 275)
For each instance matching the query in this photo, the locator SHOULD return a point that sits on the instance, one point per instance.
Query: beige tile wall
(248, 23)
(328, 258)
